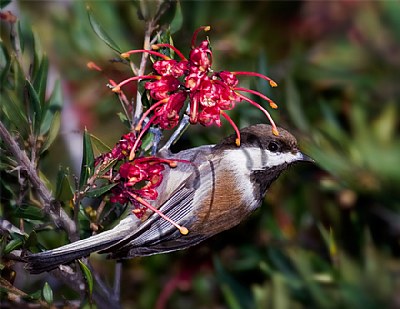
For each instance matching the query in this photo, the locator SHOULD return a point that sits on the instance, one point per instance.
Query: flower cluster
(210, 93)
(173, 82)
(136, 180)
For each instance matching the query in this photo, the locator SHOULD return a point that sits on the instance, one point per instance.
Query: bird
(223, 184)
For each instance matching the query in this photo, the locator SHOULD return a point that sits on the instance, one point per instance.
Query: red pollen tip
(273, 105)
(93, 66)
(273, 84)
(196, 32)
(151, 52)
(116, 89)
(270, 81)
(229, 119)
(177, 51)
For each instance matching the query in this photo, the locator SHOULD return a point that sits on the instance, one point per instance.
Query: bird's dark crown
(261, 136)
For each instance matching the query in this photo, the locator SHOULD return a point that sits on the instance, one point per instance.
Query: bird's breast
(224, 200)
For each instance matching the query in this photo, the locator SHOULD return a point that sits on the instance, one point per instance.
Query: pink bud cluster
(209, 93)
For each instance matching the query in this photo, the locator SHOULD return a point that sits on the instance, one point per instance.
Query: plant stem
(49, 205)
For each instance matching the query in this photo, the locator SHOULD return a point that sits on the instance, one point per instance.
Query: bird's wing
(156, 234)
(156, 230)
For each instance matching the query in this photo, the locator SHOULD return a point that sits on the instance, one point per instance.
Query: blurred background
(328, 235)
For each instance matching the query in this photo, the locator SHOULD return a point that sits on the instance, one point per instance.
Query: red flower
(200, 58)
(171, 67)
(167, 116)
(161, 88)
(210, 94)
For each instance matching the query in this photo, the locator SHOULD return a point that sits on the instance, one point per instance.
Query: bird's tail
(48, 260)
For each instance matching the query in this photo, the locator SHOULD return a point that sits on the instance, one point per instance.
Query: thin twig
(49, 205)
(16, 296)
(104, 293)
(7, 226)
(102, 296)
(183, 125)
(14, 36)
(157, 135)
(117, 280)
(77, 202)
(138, 111)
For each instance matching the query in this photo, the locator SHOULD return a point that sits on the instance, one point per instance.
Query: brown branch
(49, 205)
(103, 298)
(138, 111)
(16, 296)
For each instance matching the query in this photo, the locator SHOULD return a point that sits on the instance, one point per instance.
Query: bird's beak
(303, 157)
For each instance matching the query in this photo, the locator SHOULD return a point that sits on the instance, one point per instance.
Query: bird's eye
(273, 147)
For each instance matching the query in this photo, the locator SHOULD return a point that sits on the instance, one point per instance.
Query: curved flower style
(210, 93)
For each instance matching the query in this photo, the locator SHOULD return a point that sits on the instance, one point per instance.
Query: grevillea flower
(136, 181)
(209, 93)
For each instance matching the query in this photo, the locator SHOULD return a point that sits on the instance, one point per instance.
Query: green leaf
(124, 119)
(47, 293)
(40, 80)
(385, 124)
(53, 132)
(4, 3)
(12, 109)
(147, 141)
(13, 245)
(35, 295)
(176, 23)
(87, 160)
(236, 295)
(35, 105)
(31, 241)
(103, 168)
(100, 191)
(54, 104)
(5, 64)
(294, 107)
(101, 33)
(37, 53)
(99, 144)
(29, 212)
(88, 276)
(64, 190)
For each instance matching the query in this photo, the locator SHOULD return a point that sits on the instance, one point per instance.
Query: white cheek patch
(254, 158)
(279, 158)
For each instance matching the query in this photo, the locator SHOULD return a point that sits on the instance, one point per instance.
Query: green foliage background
(327, 236)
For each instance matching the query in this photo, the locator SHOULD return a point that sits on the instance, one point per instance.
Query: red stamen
(170, 162)
(194, 37)
(145, 114)
(271, 103)
(193, 112)
(151, 52)
(112, 82)
(117, 88)
(182, 229)
(135, 145)
(274, 128)
(177, 51)
(271, 82)
(93, 66)
(225, 115)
